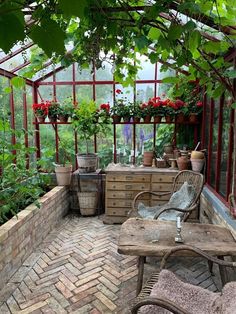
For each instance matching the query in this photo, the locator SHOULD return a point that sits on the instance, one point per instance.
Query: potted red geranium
(40, 111)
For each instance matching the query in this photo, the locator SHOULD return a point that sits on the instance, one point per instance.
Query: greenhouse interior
(118, 156)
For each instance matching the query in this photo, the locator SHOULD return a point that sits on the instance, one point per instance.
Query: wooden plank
(128, 177)
(125, 194)
(140, 237)
(123, 186)
(114, 219)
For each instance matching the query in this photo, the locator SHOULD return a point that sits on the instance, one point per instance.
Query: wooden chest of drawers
(123, 183)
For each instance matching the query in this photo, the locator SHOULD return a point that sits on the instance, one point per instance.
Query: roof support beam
(10, 75)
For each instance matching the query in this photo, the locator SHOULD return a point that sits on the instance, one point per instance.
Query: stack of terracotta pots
(197, 160)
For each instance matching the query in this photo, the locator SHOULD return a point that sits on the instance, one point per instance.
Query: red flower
(199, 104)
(105, 107)
(118, 91)
(179, 103)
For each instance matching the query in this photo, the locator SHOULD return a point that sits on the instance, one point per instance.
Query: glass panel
(214, 143)
(15, 61)
(224, 150)
(207, 126)
(64, 75)
(84, 92)
(104, 94)
(47, 147)
(144, 92)
(66, 143)
(18, 106)
(127, 93)
(63, 91)
(162, 74)
(46, 92)
(105, 73)
(83, 75)
(162, 90)
(147, 71)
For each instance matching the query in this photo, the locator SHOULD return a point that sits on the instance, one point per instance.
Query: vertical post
(219, 145)
(25, 125)
(13, 127)
(114, 141)
(210, 140)
(37, 134)
(74, 101)
(134, 141)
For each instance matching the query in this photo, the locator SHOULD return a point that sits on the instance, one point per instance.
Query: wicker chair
(188, 299)
(193, 178)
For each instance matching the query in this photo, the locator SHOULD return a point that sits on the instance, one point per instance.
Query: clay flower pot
(157, 119)
(183, 163)
(147, 119)
(116, 118)
(197, 164)
(136, 119)
(193, 118)
(41, 119)
(180, 117)
(126, 119)
(169, 119)
(147, 158)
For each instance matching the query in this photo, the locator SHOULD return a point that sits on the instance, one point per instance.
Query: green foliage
(19, 185)
(88, 121)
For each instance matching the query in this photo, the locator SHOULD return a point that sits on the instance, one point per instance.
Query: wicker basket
(87, 203)
(161, 163)
(87, 162)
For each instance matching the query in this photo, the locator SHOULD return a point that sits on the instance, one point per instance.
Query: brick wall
(20, 235)
(212, 210)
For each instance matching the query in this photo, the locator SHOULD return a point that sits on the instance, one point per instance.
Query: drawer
(161, 197)
(127, 186)
(123, 203)
(128, 177)
(168, 178)
(162, 187)
(125, 194)
(117, 211)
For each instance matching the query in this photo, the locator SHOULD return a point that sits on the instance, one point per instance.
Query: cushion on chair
(193, 299)
(180, 199)
(226, 303)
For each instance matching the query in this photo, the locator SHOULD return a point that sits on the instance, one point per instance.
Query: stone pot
(87, 162)
(63, 174)
(197, 164)
(147, 158)
(183, 163)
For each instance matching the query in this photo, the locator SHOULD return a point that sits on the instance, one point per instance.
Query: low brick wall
(212, 210)
(20, 235)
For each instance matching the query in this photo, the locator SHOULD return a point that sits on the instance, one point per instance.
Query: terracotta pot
(147, 119)
(116, 118)
(41, 119)
(126, 119)
(197, 164)
(193, 118)
(147, 158)
(136, 119)
(63, 174)
(183, 163)
(180, 118)
(157, 119)
(52, 118)
(169, 119)
(63, 118)
(168, 148)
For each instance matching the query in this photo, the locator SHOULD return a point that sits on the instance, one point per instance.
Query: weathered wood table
(140, 237)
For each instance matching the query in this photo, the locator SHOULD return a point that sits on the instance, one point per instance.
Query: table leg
(140, 266)
(223, 272)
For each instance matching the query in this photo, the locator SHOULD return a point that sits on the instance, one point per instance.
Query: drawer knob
(160, 179)
(113, 203)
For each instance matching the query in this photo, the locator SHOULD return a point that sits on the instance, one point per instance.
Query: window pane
(83, 75)
(62, 92)
(105, 73)
(104, 94)
(84, 92)
(214, 143)
(147, 71)
(64, 75)
(46, 92)
(144, 92)
(224, 150)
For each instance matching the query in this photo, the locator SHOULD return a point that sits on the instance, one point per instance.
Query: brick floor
(77, 270)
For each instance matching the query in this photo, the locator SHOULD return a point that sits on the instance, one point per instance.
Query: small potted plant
(146, 112)
(63, 170)
(137, 113)
(169, 110)
(156, 108)
(53, 107)
(88, 121)
(194, 108)
(40, 111)
(65, 110)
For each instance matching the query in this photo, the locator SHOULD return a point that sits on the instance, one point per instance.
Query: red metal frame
(25, 125)
(210, 140)
(219, 145)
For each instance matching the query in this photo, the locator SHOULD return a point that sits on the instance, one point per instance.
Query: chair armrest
(148, 192)
(187, 210)
(133, 212)
(198, 252)
(164, 303)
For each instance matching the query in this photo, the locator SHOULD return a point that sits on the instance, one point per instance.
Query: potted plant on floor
(63, 169)
(88, 120)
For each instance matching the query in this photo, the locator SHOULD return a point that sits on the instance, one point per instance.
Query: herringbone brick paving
(77, 270)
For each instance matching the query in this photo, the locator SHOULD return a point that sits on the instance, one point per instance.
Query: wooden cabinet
(123, 183)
